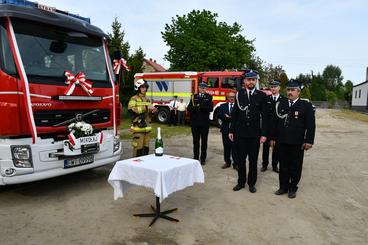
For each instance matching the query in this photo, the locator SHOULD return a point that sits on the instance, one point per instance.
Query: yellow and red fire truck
(163, 86)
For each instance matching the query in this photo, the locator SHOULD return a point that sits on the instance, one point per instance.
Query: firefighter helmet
(139, 83)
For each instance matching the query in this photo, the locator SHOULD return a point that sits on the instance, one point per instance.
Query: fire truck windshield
(49, 51)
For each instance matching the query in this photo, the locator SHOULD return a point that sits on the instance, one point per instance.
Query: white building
(360, 96)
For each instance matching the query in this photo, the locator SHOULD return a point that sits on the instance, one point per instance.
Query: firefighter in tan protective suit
(141, 110)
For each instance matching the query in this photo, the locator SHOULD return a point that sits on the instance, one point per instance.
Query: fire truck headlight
(116, 143)
(22, 157)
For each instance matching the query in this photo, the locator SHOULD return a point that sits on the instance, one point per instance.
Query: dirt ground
(331, 206)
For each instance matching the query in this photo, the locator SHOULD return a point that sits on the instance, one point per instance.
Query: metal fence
(341, 104)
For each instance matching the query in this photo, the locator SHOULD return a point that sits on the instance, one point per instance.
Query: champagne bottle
(159, 145)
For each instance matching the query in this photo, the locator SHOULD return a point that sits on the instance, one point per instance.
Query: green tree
(117, 42)
(271, 72)
(197, 41)
(318, 89)
(135, 63)
(306, 93)
(283, 79)
(332, 76)
(340, 92)
(305, 79)
(331, 98)
(348, 90)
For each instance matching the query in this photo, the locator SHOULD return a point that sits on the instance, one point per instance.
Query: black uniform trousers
(266, 152)
(247, 147)
(291, 164)
(200, 137)
(173, 119)
(229, 150)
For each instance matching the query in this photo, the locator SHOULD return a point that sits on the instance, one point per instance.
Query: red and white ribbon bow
(120, 63)
(74, 80)
(72, 139)
(101, 137)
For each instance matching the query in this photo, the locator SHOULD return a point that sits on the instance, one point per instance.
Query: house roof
(157, 67)
(360, 84)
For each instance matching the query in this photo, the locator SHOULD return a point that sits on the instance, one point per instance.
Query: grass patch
(349, 114)
(166, 131)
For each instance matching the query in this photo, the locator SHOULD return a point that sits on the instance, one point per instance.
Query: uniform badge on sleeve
(296, 114)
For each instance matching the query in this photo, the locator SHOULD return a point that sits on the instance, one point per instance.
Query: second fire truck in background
(165, 85)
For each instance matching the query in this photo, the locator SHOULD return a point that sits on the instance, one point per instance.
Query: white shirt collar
(294, 101)
(251, 91)
(276, 96)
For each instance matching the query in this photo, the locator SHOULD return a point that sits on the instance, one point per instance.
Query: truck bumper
(45, 165)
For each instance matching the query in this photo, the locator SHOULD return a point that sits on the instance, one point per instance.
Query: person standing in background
(181, 108)
(199, 107)
(173, 111)
(225, 111)
(271, 102)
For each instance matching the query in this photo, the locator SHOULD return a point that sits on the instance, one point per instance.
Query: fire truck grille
(51, 118)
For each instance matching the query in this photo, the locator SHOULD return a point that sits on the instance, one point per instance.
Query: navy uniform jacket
(224, 109)
(271, 104)
(247, 124)
(199, 109)
(271, 108)
(295, 125)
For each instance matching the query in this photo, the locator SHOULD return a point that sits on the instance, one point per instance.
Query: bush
(331, 99)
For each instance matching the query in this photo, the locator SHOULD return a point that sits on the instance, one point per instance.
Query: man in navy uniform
(293, 132)
(247, 129)
(271, 102)
(199, 108)
(224, 114)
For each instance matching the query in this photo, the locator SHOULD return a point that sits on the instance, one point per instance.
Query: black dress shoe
(275, 169)
(281, 191)
(292, 194)
(263, 169)
(238, 187)
(226, 165)
(252, 189)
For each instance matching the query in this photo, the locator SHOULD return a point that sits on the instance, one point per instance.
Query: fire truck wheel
(163, 115)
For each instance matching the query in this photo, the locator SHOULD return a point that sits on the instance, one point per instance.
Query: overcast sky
(300, 35)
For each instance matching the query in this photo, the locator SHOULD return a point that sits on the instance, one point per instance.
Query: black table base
(157, 213)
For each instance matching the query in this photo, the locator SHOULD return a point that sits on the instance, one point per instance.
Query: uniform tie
(231, 107)
(249, 94)
(291, 103)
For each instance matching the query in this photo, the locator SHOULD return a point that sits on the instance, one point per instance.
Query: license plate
(88, 140)
(78, 161)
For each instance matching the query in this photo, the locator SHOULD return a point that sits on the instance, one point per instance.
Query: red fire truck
(165, 85)
(56, 82)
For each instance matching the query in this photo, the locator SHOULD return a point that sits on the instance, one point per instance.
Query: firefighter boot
(145, 150)
(139, 153)
(137, 143)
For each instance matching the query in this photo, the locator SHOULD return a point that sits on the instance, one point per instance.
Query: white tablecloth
(165, 174)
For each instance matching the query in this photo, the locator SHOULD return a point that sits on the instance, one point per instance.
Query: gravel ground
(331, 206)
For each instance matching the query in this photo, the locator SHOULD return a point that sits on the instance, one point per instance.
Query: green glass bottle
(159, 145)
